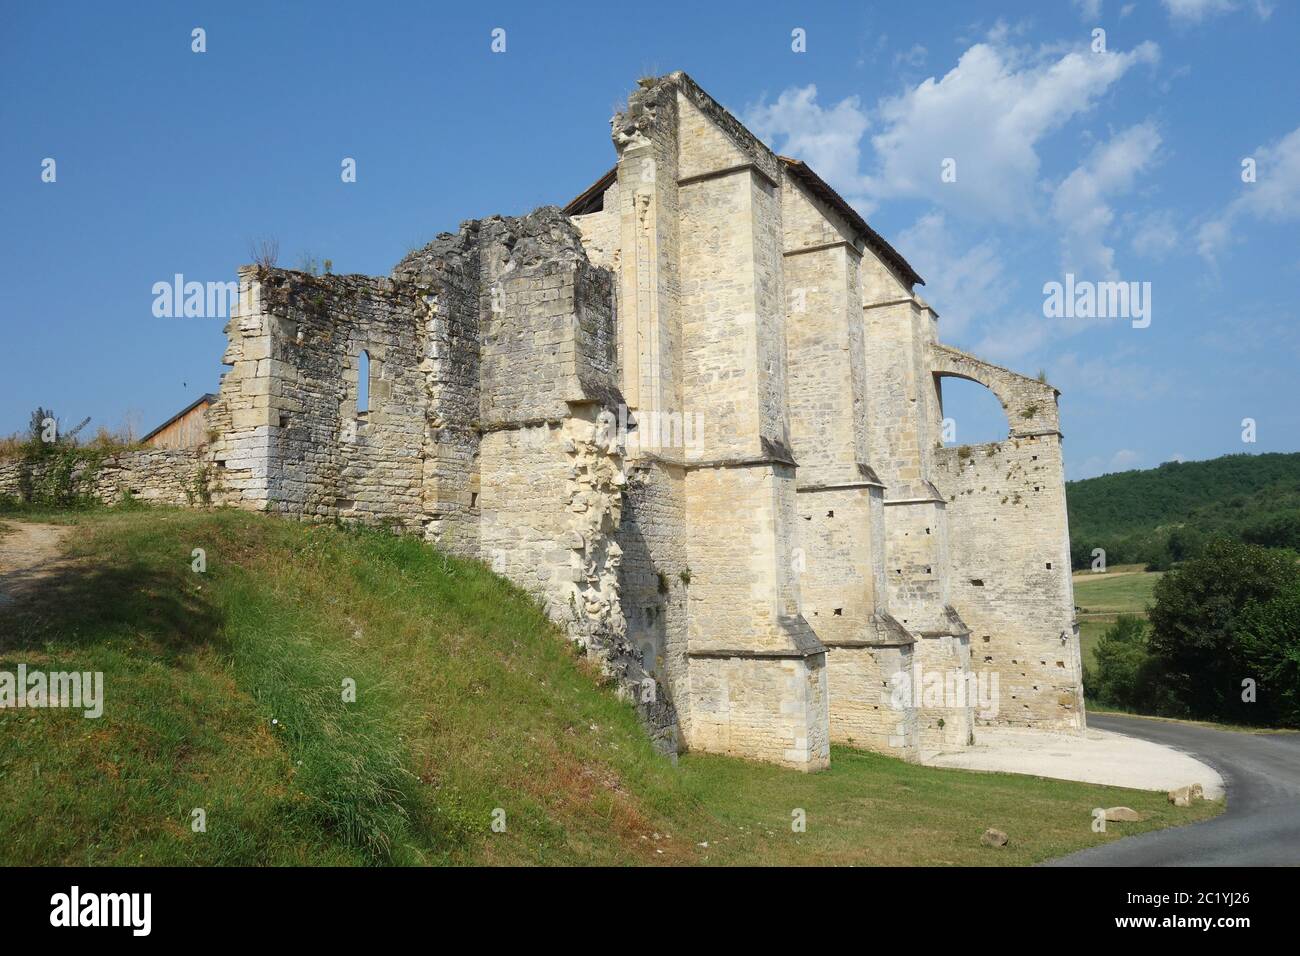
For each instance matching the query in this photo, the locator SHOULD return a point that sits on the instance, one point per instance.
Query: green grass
(223, 692)
(1103, 597)
(1118, 592)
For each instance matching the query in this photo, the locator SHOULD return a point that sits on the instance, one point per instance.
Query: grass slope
(224, 692)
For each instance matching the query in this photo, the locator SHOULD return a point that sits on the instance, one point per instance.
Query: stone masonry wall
(493, 399)
(292, 398)
(732, 709)
(654, 589)
(1011, 579)
(1009, 537)
(168, 476)
(445, 276)
(870, 705)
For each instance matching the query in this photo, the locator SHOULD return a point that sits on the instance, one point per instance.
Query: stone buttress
(697, 207)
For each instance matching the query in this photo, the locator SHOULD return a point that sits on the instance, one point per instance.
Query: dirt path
(29, 553)
(1078, 576)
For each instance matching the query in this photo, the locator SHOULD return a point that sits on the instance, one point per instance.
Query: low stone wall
(170, 476)
(11, 470)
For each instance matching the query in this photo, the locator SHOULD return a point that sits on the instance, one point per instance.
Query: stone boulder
(1123, 815)
(993, 837)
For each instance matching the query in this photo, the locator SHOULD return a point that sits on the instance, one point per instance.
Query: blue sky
(1122, 165)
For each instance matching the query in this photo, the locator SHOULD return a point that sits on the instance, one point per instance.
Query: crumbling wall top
(543, 236)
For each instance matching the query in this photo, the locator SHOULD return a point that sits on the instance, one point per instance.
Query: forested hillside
(1166, 514)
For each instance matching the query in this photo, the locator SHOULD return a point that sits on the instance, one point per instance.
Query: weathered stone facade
(832, 541)
(780, 553)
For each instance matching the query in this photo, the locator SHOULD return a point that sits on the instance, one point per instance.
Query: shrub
(1123, 672)
(265, 253)
(63, 477)
(203, 486)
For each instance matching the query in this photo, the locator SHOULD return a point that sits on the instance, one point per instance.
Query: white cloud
(1088, 9)
(991, 113)
(970, 286)
(1155, 236)
(1213, 238)
(964, 285)
(1002, 32)
(1257, 331)
(1081, 204)
(1006, 340)
(915, 57)
(1124, 460)
(988, 113)
(1195, 11)
(828, 140)
(1118, 377)
(1273, 197)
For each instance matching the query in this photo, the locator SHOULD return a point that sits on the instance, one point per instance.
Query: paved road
(1261, 826)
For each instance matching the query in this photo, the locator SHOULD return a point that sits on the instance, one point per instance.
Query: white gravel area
(1096, 756)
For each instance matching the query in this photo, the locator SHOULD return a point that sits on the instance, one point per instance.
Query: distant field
(1125, 589)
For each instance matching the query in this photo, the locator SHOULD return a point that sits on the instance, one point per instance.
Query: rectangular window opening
(363, 383)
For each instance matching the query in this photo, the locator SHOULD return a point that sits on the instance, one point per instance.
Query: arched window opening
(972, 414)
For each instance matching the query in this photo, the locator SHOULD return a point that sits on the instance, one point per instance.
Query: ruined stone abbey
(697, 413)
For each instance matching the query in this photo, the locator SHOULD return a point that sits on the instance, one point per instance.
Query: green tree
(1277, 531)
(1122, 676)
(1270, 636)
(1185, 543)
(1196, 626)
